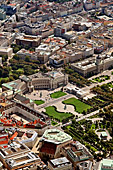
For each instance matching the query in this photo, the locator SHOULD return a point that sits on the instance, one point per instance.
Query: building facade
(28, 40)
(50, 80)
(93, 66)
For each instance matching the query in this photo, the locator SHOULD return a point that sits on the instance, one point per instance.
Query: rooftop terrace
(56, 136)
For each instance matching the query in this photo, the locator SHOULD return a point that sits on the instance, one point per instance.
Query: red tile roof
(14, 135)
(32, 124)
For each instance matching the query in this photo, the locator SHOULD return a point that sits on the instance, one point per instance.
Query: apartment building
(2, 14)
(106, 164)
(91, 5)
(23, 53)
(27, 137)
(77, 153)
(6, 51)
(60, 164)
(59, 59)
(93, 66)
(14, 149)
(28, 40)
(51, 143)
(49, 47)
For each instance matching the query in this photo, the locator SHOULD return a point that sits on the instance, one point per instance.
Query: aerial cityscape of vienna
(56, 84)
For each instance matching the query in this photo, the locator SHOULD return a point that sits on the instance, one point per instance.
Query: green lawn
(57, 94)
(79, 106)
(52, 112)
(38, 102)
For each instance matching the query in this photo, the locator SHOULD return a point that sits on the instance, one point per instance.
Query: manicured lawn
(79, 106)
(57, 94)
(52, 112)
(38, 102)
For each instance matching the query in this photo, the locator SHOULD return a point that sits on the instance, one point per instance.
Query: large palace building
(50, 80)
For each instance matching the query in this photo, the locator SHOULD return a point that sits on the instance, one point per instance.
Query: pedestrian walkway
(88, 115)
(53, 101)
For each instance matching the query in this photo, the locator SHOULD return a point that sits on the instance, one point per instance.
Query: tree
(5, 72)
(75, 108)
(27, 58)
(1, 72)
(28, 70)
(16, 49)
(15, 76)
(5, 64)
(97, 124)
(84, 112)
(34, 66)
(31, 49)
(43, 69)
(4, 58)
(16, 57)
(76, 116)
(74, 122)
(11, 78)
